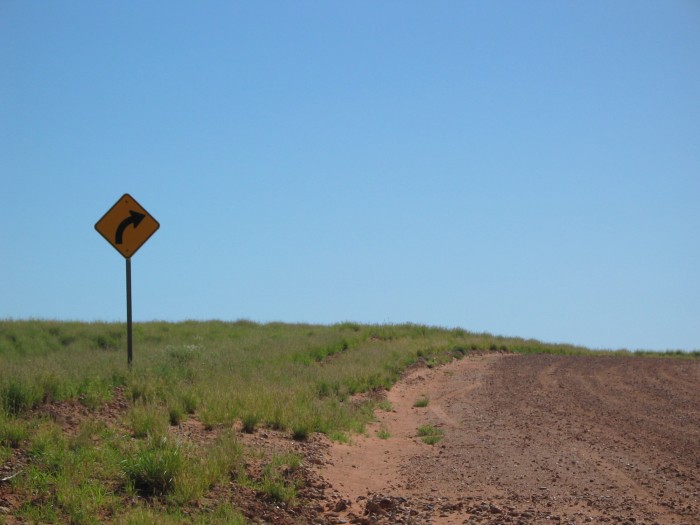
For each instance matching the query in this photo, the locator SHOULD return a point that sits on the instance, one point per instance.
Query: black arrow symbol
(134, 218)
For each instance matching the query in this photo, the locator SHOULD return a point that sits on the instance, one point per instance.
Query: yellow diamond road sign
(126, 226)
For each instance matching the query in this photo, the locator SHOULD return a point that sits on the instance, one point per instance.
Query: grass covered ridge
(299, 379)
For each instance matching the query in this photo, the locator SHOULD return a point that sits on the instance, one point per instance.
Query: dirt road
(529, 439)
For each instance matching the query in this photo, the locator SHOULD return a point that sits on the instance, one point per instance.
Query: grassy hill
(229, 377)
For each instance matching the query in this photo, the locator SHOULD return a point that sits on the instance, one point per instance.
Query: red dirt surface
(531, 439)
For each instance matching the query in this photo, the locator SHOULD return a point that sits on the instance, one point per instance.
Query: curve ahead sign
(127, 226)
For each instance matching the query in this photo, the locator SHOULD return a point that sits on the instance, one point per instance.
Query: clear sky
(521, 168)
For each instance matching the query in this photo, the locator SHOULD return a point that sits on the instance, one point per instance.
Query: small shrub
(225, 453)
(430, 434)
(339, 436)
(276, 482)
(203, 470)
(147, 420)
(385, 405)
(250, 422)
(301, 430)
(143, 390)
(5, 454)
(383, 433)
(422, 402)
(49, 446)
(19, 396)
(175, 415)
(119, 378)
(51, 387)
(108, 341)
(12, 432)
(142, 516)
(277, 490)
(185, 354)
(323, 389)
(216, 414)
(431, 440)
(154, 468)
(93, 393)
(459, 352)
(41, 512)
(226, 515)
(189, 401)
(81, 501)
(277, 421)
(89, 432)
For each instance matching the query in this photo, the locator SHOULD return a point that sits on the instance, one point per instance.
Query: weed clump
(148, 421)
(189, 401)
(154, 467)
(19, 396)
(278, 481)
(385, 405)
(422, 402)
(301, 430)
(430, 434)
(250, 422)
(383, 433)
(12, 432)
(175, 415)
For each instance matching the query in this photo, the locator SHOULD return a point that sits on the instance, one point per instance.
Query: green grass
(421, 402)
(301, 430)
(385, 405)
(430, 434)
(299, 379)
(383, 433)
(154, 467)
(148, 420)
(205, 468)
(250, 422)
(13, 432)
(74, 475)
(278, 482)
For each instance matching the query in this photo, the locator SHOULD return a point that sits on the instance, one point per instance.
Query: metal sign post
(127, 226)
(129, 332)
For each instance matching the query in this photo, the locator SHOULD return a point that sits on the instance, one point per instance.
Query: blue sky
(520, 168)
